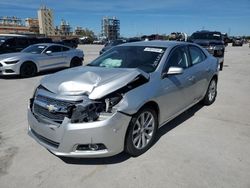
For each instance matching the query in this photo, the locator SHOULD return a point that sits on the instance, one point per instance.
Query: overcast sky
(140, 17)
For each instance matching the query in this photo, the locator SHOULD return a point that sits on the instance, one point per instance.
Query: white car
(39, 57)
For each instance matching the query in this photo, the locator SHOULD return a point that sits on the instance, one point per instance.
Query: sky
(143, 17)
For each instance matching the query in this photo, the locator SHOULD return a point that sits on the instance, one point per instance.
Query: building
(32, 24)
(12, 25)
(110, 28)
(79, 31)
(46, 21)
(65, 28)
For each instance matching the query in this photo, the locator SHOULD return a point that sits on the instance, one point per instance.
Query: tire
(141, 136)
(221, 66)
(75, 62)
(211, 93)
(28, 69)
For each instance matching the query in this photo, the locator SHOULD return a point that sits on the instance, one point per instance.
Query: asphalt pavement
(206, 146)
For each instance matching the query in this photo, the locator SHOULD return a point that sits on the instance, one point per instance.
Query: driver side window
(179, 58)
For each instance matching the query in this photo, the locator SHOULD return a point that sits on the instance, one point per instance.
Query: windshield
(142, 57)
(34, 49)
(207, 36)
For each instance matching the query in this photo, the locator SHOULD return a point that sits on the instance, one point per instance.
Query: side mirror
(48, 52)
(173, 71)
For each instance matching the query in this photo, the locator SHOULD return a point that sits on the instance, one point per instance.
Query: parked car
(111, 44)
(119, 100)
(38, 57)
(237, 41)
(10, 44)
(226, 39)
(178, 36)
(73, 43)
(212, 41)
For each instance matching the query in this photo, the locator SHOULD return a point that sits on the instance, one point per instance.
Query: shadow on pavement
(124, 156)
(42, 73)
(97, 161)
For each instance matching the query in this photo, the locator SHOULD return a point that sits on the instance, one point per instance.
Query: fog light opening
(9, 71)
(90, 147)
(93, 147)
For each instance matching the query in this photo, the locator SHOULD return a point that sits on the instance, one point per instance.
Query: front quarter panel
(133, 100)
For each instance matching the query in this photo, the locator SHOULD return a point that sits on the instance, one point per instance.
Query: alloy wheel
(143, 130)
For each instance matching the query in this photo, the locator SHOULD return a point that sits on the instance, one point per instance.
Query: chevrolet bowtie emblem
(51, 108)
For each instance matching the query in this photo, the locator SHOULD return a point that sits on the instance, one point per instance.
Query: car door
(200, 69)
(177, 89)
(67, 56)
(52, 57)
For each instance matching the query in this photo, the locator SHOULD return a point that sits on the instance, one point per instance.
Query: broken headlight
(88, 110)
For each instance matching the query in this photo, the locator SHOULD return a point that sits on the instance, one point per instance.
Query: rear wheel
(28, 69)
(141, 132)
(75, 62)
(211, 92)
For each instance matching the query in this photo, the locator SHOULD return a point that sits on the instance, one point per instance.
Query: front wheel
(28, 70)
(141, 132)
(211, 92)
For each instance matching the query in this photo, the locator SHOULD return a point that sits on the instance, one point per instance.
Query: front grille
(43, 112)
(54, 101)
(45, 140)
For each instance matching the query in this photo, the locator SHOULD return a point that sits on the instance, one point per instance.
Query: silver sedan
(118, 102)
(39, 57)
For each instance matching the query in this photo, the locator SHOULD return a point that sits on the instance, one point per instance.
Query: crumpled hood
(95, 82)
(13, 56)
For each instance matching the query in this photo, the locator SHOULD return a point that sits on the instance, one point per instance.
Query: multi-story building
(12, 25)
(46, 21)
(32, 24)
(110, 28)
(65, 28)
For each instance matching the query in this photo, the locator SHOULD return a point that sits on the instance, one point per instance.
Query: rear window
(207, 36)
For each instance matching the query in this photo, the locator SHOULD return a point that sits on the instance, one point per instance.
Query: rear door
(200, 70)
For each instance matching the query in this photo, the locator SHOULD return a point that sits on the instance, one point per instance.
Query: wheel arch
(29, 61)
(75, 57)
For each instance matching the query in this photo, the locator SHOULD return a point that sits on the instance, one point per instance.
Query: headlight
(11, 62)
(219, 47)
(89, 110)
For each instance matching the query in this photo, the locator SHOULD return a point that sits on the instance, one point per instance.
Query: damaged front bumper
(90, 139)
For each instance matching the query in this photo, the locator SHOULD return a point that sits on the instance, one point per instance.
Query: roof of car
(156, 43)
(50, 44)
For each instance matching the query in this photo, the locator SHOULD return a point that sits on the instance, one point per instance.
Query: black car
(212, 41)
(111, 44)
(237, 41)
(9, 44)
(73, 43)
